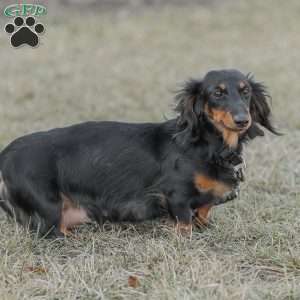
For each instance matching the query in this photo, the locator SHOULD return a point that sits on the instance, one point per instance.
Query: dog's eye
(218, 93)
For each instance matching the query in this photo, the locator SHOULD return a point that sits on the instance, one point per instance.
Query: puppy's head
(232, 102)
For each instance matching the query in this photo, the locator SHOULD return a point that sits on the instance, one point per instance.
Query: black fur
(259, 107)
(127, 172)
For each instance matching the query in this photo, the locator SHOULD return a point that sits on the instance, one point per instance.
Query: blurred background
(122, 59)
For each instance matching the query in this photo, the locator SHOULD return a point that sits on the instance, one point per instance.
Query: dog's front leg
(182, 213)
(202, 214)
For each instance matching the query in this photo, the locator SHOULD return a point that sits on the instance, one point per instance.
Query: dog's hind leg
(36, 204)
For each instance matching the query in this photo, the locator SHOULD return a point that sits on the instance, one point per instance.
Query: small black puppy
(54, 180)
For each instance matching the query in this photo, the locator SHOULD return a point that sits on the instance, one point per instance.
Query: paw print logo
(24, 32)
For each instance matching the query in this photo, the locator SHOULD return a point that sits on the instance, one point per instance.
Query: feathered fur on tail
(4, 204)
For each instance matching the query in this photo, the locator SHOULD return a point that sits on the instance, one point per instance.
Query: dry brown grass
(122, 66)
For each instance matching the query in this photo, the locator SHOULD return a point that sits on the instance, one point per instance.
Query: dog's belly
(79, 208)
(136, 210)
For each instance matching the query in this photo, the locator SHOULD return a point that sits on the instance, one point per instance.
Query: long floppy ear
(190, 107)
(259, 108)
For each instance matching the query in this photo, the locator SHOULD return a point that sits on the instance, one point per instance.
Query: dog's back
(104, 167)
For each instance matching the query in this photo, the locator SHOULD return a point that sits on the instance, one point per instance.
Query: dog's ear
(190, 107)
(259, 108)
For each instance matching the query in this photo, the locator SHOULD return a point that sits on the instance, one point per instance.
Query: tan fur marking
(202, 215)
(231, 138)
(65, 231)
(71, 215)
(206, 184)
(221, 119)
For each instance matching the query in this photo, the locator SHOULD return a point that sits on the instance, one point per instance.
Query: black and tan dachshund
(54, 180)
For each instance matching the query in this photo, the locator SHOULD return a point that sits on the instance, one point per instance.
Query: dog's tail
(4, 195)
(4, 203)
(33, 222)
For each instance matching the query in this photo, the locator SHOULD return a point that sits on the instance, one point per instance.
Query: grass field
(123, 65)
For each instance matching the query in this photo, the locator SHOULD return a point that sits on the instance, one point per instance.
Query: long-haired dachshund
(54, 180)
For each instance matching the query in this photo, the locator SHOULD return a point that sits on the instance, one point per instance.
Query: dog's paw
(24, 32)
(202, 216)
(183, 229)
(232, 195)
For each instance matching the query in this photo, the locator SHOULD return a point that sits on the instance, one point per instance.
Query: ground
(124, 64)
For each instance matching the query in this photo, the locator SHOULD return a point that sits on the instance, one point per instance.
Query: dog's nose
(241, 120)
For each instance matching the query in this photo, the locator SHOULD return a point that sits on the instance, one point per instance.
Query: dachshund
(53, 180)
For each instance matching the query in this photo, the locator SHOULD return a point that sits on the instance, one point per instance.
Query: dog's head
(232, 102)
